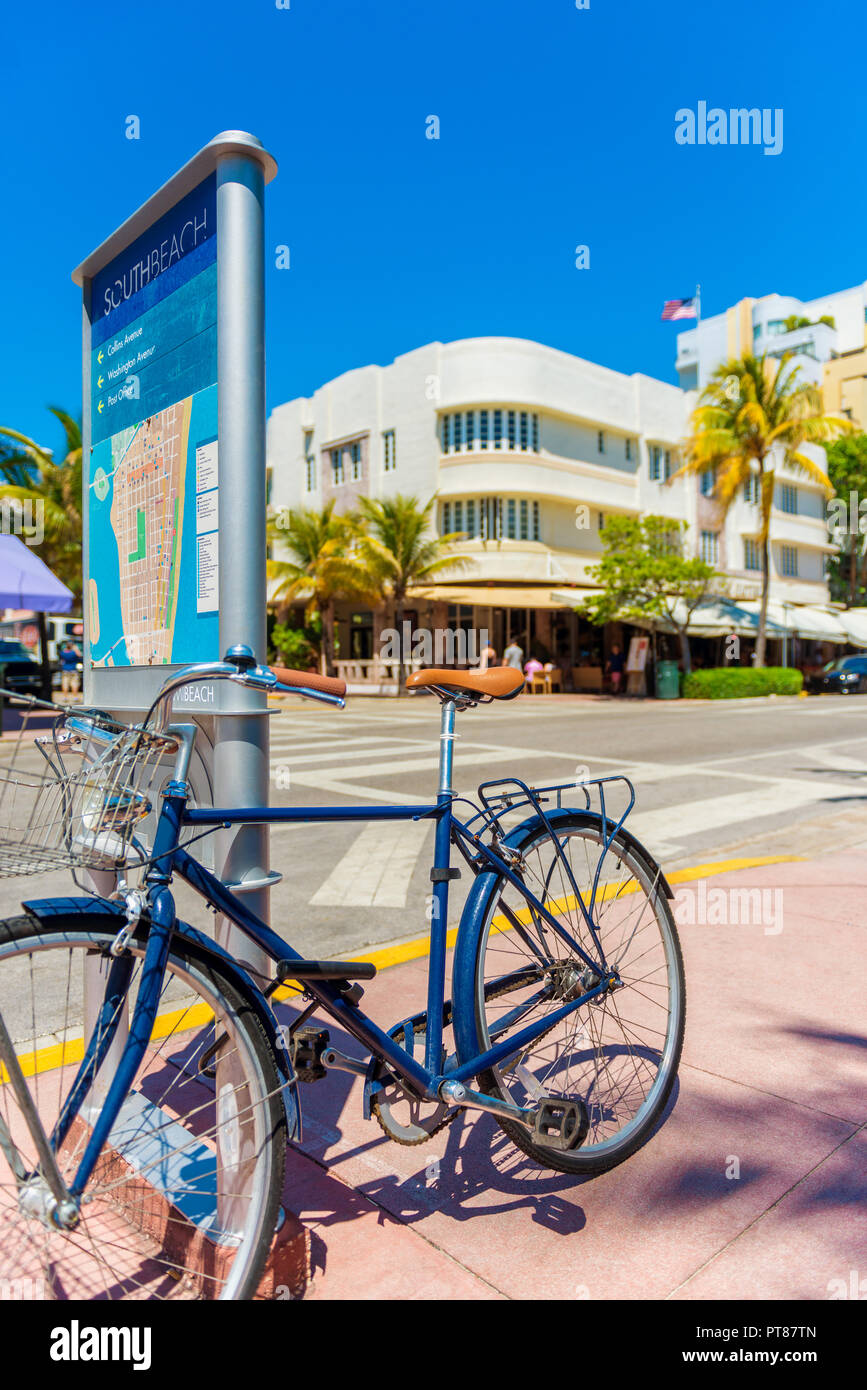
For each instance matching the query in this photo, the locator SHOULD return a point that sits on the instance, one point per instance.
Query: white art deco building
(528, 449)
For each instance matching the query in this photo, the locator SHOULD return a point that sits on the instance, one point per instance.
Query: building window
(389, 451)
(511, 522)
(498, 429)
(535, 434)
(666, 462)
(470, 433)
(456, 432)
(459, 516)
(600, 442)
(446, 432)
(790, 561)
(471, 519)
(628, 447)
(337, 467)
(524, 431)
(600, 520)
(752, 555)
(525, 514)
(512, 435)
(355, 455)
(752, 488)
(789, 499)
(447, 519)
(310, 473)
(655, 465)
(535, 521)
(706, 482)
(483, 428)
(710, 547)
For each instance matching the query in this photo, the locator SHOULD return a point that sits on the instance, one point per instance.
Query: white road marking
(376, 869)
(712, 813)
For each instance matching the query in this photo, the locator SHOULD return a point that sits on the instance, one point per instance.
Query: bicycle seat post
(447, 740)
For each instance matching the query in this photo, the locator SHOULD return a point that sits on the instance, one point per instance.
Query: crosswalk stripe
(737, 808)
(376, 869)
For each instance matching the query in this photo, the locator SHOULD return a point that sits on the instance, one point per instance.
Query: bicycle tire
(474, 1011)
(254, 1135)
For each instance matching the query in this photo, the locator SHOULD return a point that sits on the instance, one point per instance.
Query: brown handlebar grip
(310, 680)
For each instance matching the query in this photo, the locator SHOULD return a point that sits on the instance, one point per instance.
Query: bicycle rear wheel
(184, 1198)
(615, 1057)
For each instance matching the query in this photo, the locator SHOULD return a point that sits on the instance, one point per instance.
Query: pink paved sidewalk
(754, 1187)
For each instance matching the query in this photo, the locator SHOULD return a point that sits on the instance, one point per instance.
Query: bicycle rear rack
(495, 804)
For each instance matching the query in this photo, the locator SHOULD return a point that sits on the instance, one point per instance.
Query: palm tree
(754, 414)
(29, 474)
(325, 563)
(402, 552)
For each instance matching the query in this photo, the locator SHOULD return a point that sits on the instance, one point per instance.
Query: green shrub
(736, 682)
(293, 646)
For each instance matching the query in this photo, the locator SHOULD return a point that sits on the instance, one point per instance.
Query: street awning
(715, 617)
(487, 597)
(854, 623)
(26, 582)
(816, 624)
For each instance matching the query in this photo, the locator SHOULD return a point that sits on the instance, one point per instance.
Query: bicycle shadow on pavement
(469, 1169)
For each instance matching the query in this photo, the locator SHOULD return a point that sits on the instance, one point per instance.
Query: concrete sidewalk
(754, 1186)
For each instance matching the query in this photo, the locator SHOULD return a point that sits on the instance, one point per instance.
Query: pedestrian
(488, 657)
(615, 668)
(69, 659)
(532, 667)
(514, 655)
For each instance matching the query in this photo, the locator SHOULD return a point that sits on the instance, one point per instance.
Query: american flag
(680, 309)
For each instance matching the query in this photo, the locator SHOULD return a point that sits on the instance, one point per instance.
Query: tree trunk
(853, 571)
(328, 639)
(43, 652)
(685, 651)
(763, 610)
(398, 624)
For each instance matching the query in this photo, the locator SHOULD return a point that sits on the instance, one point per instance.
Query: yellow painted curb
(198, 1015)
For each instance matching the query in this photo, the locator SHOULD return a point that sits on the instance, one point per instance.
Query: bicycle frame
(170, 858)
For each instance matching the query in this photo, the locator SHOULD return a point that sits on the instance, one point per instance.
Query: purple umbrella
(25, 582)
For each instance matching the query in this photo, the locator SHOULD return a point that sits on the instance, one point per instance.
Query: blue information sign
(152, 497)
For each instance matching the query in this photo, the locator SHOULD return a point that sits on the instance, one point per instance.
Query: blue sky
(556, 128)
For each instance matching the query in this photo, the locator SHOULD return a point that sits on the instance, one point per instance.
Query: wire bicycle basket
(74, 784)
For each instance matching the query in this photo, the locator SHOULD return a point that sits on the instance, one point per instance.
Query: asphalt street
(712, 781)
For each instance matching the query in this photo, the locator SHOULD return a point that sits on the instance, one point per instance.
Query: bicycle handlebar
(241, 667)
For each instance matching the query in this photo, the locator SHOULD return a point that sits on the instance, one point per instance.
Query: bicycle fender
(473, 919)
(514, 838)
(62, 912)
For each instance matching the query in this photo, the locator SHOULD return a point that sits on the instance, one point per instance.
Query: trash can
(667, 680)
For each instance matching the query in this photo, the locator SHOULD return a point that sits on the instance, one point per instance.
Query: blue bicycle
(148, 1091)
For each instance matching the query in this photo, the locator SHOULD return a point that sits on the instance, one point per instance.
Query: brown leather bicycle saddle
(498, 683)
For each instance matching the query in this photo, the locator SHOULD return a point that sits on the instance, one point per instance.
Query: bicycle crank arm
(338, 1061)
(456, 1093)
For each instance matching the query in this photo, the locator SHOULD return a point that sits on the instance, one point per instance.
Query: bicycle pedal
(561, 1124)
(307, 1049)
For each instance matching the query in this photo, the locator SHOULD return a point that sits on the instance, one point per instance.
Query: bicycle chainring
(401, 1115)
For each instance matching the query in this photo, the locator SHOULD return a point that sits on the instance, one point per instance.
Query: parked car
(19, 671)
(845, 676)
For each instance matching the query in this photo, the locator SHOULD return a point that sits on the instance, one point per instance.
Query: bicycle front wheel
(616, 1057)
(184, 1198)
